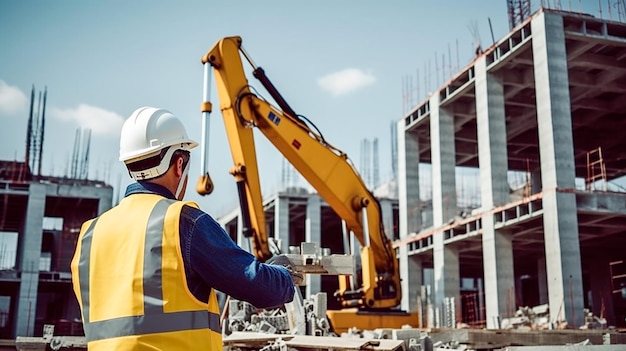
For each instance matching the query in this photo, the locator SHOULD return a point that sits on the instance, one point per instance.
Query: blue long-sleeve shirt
(213, 260)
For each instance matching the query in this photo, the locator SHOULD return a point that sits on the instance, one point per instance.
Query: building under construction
(546, 102)
(40, 219)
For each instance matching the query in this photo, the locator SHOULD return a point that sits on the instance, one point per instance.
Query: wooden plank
(25, 343)
(238, 337)
(312, 342)
(329, 342)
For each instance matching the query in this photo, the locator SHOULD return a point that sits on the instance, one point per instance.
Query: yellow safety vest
(129, 279)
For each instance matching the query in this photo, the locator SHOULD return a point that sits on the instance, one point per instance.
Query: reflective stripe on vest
(154, 320)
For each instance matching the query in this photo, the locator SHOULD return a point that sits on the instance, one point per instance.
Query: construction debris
(593, 322)
(239, 341)
(538, 318)
(302, 325)
(529, 318)
(299, 317)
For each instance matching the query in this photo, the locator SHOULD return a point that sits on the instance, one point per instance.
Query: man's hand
(282, 260)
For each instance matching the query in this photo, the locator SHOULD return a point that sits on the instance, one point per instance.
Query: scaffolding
(596, 171)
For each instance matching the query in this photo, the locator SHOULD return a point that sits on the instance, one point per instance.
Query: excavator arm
(324, 166)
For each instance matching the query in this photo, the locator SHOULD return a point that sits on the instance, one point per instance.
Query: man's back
(131, 284)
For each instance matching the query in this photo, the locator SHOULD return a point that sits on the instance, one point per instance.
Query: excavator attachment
(204, 185)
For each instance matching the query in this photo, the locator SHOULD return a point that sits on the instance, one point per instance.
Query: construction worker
(145, 272)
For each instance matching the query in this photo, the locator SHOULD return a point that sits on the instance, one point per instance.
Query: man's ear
(178, 166)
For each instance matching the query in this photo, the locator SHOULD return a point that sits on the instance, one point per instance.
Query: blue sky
(342, 64)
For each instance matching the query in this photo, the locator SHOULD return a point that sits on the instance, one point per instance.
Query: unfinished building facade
(40, 219)
(547, 101)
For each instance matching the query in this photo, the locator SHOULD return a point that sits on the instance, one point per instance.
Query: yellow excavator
(374, 302)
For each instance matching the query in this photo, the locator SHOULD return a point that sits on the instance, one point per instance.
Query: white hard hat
(146, 133)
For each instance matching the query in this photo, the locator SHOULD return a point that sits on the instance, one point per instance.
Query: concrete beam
(598, 61)
(577, 48)
(603, 81)
(518, 77)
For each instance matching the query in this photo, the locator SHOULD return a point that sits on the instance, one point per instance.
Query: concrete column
(447, 279)
(491, 133)
(355, 249)
(412, 279)
(542, 281)
(557, 170)
(386, 208)
(313, 234)
(29, 254)
(408, 181)
(443, 162)
(535, 182)
(445, 258)
(242, 240)
(281, 222)
(409, 213)
(105, 200)
(499, 277)
(480, 286)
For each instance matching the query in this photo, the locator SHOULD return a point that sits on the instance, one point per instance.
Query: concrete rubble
(407, 339)
(302, 325)
(538, 318)
(299, 317)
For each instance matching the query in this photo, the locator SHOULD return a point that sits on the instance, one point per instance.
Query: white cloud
(12, 99)
(99, 120)
(345, 81)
